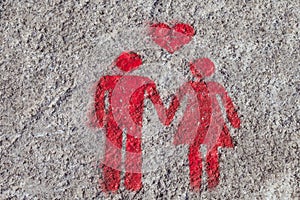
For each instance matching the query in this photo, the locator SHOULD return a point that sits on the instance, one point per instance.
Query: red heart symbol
(173, 38)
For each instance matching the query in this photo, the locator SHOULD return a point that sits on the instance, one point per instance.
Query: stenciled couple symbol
(119, 107)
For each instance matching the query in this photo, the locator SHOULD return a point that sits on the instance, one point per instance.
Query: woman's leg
(195, 164)
(212, 157)
(212, 167)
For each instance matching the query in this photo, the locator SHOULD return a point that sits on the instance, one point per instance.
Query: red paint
(193, 126)
(171, 39)
(126, 96)
(203, 122)
(128, 107)
(111, 174)
(128, 61)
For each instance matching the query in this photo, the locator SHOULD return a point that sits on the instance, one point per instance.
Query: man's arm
(100, 102)
(165, 115)
(172, 110)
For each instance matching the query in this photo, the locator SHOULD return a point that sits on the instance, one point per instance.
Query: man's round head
(202, 67)
(128, 61)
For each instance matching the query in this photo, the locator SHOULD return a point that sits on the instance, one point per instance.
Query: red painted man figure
(124, 112)
(203, 123)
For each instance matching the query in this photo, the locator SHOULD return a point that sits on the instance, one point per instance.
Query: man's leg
(195, 163)
(212, 167)
(133, 163)
(113, 157)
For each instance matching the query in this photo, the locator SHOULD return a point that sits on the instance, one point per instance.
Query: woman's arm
(165, 115)
(231, 110)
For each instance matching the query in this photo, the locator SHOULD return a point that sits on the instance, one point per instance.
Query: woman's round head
(202, 67)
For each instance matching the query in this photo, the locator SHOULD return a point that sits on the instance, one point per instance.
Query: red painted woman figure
(203, 122)
(125, 98)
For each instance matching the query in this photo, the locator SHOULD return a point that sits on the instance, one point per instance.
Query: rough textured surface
(53, 52)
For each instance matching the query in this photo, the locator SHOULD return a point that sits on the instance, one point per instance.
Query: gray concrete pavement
(53, 52)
